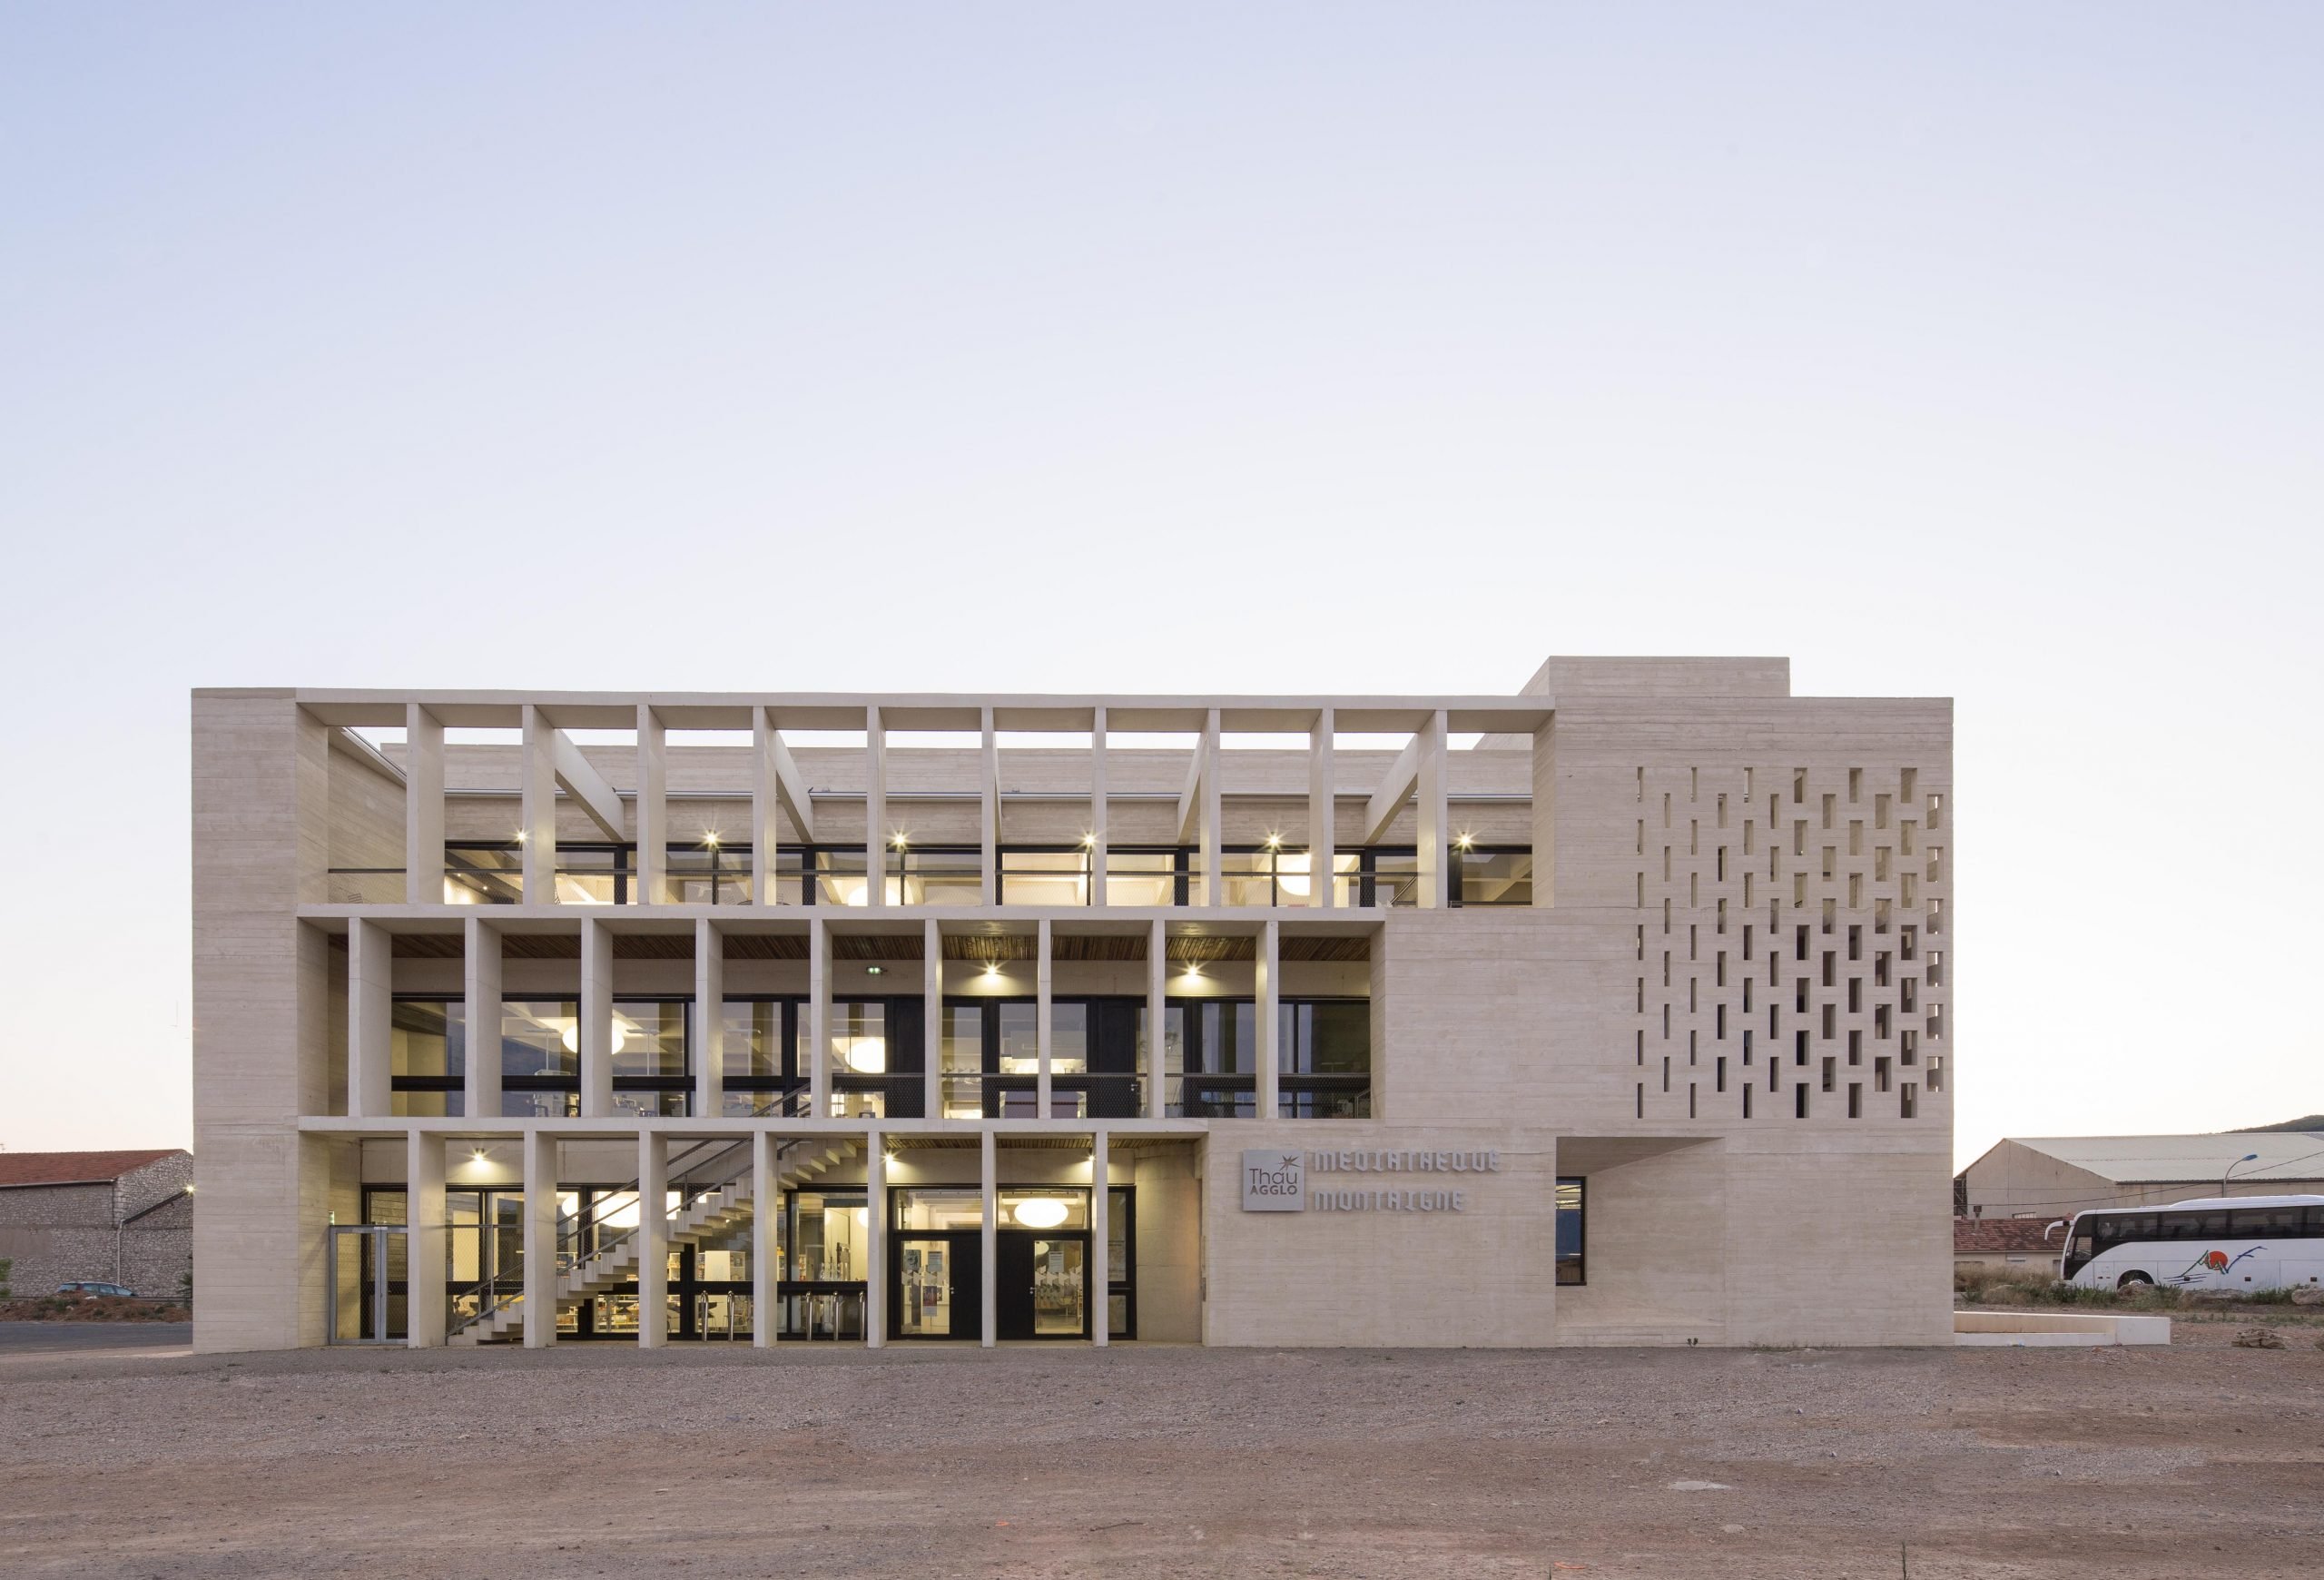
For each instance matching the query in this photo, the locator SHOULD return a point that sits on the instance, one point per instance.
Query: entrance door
(1041, 1288)
(938, 1284)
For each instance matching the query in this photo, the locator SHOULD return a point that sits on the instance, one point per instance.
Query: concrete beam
(540, 1240)
(423, 808)
(482, 1017)
(875, 810)
(766, 1275)
(1156, 1015)
(709, 1019)
(989, 792)
(596, 1008)
(776, 785)
(425, 1319)
(989, 1177)
(1435, 831)
(370, 1020)
(819, 1018)
(1394, 790)
(653, 1239)
(1101, 1203)
(577, 779)
(932, 989)
(1044, 1016)
(1097, 840)
(875, 1241)
(538, 827)
(1267, 1056)
(651, 815)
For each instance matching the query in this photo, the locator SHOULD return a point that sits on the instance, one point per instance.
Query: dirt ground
(2200, 1459)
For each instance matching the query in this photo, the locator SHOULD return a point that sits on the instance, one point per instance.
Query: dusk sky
(1950, 350)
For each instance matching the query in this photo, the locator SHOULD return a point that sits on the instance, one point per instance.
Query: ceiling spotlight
(874, 969)
(710, 838)
(476, 1155)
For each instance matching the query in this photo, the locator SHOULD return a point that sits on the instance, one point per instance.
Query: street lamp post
(2231, 1168)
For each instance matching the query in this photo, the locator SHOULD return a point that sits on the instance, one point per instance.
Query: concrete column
(482, 1014)
(651, 815)
(1435, 821)
(1100, 1204)
(423, 808)
(425, 1263)
(537, 828)
(766, 1270)
(819, 1018)
(989, 782)
(875, 809)
(932, 990)
(1043, 1016)
(540, 1240)
(1214, 888)
(986, 1273)
(1098, 809)
(1545, 813)
(709, 1019)
(370, 1020)
(1322, 831)
(875, 1240)
(1268, 997)
(1158, 946)
(596, 1008)
(653, 1239)
(765, 830)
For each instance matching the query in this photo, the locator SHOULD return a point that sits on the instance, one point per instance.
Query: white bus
(2243, 1243)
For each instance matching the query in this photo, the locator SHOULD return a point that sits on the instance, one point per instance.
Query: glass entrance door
(937, 1287)
(1041, 1286)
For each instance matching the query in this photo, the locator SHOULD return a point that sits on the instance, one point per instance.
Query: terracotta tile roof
(75, 1167)
(2012, 1235)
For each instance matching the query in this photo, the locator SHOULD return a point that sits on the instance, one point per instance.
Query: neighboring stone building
(2003, 1244)
(1617, 1009)
(2054, 1177)
(123, 1218)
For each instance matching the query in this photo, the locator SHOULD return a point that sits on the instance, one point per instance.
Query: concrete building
(115, 1217)
(1617, 1009)
(1995, 1245)
(2053, 1177)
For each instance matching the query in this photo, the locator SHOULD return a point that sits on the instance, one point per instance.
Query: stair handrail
(490, 1300)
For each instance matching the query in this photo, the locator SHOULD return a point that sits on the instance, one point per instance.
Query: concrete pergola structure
(554, 764)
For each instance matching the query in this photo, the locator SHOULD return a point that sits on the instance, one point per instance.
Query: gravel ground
(2199, 1459)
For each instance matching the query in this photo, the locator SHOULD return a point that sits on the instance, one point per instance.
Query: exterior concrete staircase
(715, 1212)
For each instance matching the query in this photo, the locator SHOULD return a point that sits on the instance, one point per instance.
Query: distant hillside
(2314, 1121)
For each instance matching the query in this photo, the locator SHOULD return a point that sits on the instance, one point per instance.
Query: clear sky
(1967, 351)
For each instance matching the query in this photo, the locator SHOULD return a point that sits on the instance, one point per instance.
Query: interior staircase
(716, 1212)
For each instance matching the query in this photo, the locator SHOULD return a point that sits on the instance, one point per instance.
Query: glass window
(928, 1210)
(427, 1053)
(1571, 1236)
(651, 1062)
(1060, 1208)
(756, 1056)
(859, 1038)
(540, 1058)
(829, 1233)
(963, 1053)
(1069, 1038)
(1019, 1039)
